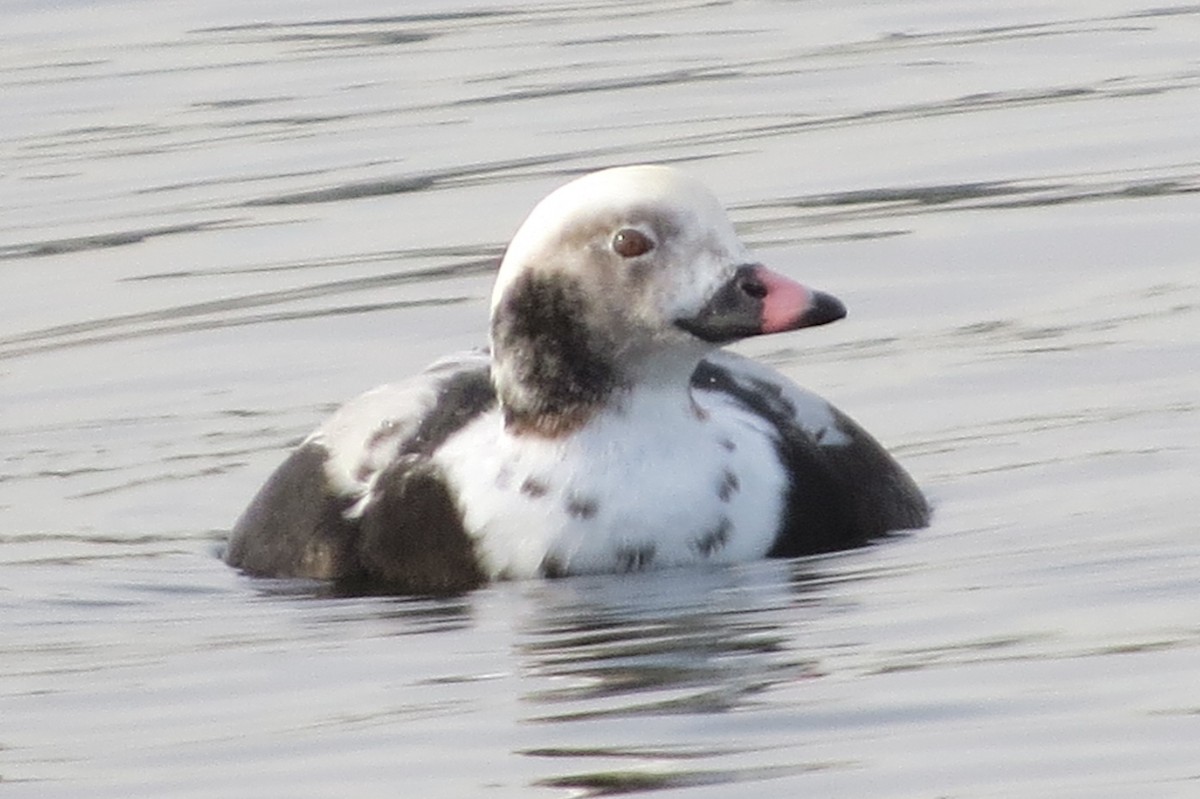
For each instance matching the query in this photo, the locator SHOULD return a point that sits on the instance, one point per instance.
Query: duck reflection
(676, 642)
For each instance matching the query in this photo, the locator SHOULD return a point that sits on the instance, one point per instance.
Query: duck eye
(630, 243)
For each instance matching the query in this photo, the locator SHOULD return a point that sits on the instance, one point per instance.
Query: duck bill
(756, 301)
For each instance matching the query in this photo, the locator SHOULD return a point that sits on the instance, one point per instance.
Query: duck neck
(554, 372)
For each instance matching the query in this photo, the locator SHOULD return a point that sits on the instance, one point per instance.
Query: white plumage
(602, 432)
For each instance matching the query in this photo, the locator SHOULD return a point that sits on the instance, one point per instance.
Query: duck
(603, 430)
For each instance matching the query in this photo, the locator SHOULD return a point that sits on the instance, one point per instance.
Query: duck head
(627, 277)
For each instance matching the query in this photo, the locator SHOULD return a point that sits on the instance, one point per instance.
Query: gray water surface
(218, 220)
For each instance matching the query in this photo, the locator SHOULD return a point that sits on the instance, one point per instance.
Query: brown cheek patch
(558, 369)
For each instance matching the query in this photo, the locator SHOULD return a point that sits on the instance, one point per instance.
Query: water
(218, 220)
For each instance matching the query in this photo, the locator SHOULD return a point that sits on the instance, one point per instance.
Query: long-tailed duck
(603, 432)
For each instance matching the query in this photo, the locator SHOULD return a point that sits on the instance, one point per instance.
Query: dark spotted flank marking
(729, 486)
(534, 488)
(837, 497)
(715, 539)
(582, 508)
(632, 558)
(552, 567)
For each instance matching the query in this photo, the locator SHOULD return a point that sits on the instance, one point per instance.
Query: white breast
(649, 486)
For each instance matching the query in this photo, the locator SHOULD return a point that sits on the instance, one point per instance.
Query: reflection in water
(682, 642)
(671, 642)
